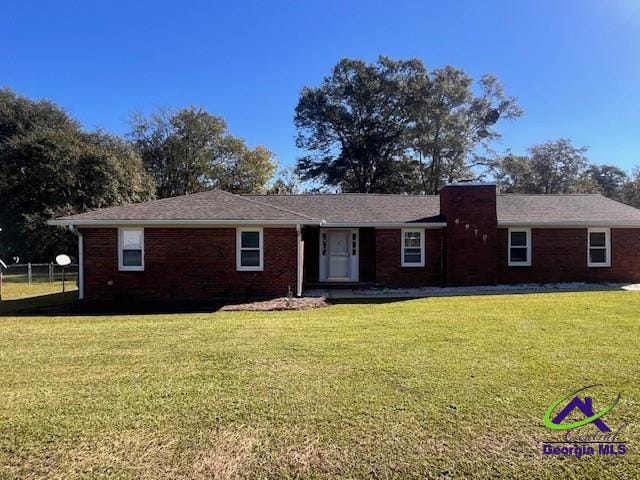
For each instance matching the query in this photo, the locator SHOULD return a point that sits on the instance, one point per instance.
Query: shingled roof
(564, 210)
(205, 206)
(217, 206)
(359, 207)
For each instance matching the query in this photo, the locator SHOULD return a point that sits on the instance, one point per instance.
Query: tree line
(50, 166)
(395, 127)
(390, 126)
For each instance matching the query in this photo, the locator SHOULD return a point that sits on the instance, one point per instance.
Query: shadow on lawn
(67, 304)
(52, 300)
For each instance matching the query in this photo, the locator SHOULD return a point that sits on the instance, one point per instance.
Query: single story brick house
(217, 244)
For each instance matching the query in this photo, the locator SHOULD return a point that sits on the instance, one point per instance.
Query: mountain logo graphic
(585, 406)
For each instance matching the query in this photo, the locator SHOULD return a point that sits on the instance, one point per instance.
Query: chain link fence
(35, 279)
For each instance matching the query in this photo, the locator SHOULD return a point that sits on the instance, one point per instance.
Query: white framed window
(131, 249)
(412, 247)
(519, 249)
(249, 249)
(599, 247)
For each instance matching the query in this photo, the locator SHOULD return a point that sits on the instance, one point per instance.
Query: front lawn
(18, 297)
(19, 290)
(436, 388)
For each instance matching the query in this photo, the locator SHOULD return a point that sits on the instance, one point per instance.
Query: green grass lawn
(20, 296)
(15, 291)
(432, 388)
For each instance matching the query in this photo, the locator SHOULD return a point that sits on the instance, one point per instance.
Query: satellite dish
(63, 260)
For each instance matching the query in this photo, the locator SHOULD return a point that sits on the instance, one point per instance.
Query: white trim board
(384, 225)
(170, 223)
(579, 224)
(284, 223)
(233, 223)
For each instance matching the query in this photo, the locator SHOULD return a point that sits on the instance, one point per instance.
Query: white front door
(339, 260)
(338, 255)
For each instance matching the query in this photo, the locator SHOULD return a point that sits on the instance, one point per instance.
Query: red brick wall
(471, 234)
(560, 255)
(389, 271)
(311, 237)
(367, 254)
(187, 263)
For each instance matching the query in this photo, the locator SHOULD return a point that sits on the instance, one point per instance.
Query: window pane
(412, 255)
(132, 239)
(597, 239)
(519, 254)
(132, 258)
(598, 255)
(412, 239)
(519, 239)
(250, 258)
(250, 239)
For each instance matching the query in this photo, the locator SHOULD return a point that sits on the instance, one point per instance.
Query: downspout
(443, 252)
(300, 261)
(75, 230)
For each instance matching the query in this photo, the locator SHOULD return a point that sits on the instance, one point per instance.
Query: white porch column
(300, 260)
(80, 266)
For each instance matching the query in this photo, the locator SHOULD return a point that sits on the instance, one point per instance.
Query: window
(520, 247)
(131, 249)
(249, 251)
(599, 247)
(412, 247)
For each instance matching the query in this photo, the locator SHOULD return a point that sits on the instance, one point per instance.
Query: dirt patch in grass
(284, 303)
(230, 456)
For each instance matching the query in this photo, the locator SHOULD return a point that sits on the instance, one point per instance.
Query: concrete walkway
(363, 293)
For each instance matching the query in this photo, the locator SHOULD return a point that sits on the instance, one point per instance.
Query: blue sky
(574, 65)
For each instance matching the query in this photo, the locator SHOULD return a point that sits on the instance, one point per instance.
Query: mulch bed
(283, 303)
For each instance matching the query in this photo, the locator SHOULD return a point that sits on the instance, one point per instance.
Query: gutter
(577, 224)
(75, 230)
(231, 222)
(324, 223)
(100, 223)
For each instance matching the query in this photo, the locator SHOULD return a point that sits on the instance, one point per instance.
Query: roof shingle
(575, 208)
(210, 205)
(359, 207)
(216, 205)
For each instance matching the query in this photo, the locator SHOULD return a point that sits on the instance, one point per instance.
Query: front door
(339, 255)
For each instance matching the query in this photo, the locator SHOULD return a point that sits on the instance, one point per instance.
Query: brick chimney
(472, 233)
